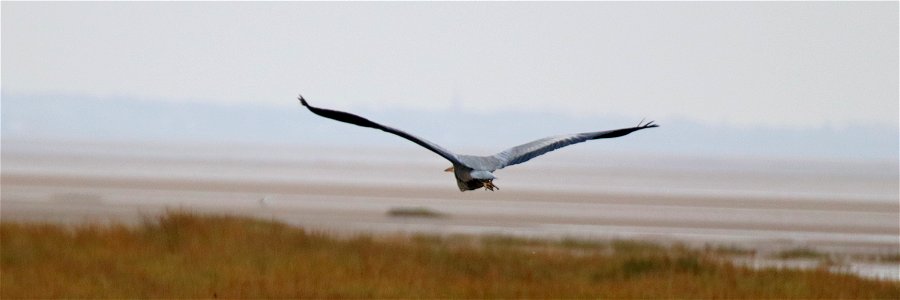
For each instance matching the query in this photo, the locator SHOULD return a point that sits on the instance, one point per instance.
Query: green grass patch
(183, 255)
(878, 258)
(892, 257)
(799, 253)
(729, 250)
(418, 212)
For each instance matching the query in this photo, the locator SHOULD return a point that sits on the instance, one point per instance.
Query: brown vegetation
(182, 255)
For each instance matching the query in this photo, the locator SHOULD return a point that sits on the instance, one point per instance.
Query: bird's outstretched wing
(525, 152)
(360, 121)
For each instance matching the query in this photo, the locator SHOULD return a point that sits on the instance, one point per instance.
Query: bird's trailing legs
(489, 185)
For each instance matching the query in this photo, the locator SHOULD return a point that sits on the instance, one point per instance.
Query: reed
(185, 255)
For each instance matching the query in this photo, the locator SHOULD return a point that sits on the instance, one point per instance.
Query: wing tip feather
(302, 100)
(648, 125)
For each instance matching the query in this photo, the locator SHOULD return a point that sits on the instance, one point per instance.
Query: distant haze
(815, 65)
(73, 118)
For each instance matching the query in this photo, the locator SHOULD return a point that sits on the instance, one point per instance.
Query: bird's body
(474, 172)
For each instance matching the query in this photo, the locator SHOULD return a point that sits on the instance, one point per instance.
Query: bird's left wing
(525, 152)
(360, 121)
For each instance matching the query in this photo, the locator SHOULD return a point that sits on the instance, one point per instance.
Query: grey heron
(474, 172)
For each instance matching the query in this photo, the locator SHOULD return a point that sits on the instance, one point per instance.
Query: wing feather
(360, 121)
(525, 152)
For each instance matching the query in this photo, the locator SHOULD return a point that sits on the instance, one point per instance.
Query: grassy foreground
(182, 255)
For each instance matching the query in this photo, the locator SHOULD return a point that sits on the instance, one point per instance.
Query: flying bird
(474, 172)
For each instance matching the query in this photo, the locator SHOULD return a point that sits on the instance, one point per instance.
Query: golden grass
(181, 255)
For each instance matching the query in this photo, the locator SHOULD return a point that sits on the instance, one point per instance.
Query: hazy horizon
(123, 119)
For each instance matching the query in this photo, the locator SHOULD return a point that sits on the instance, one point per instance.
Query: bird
(474, 172)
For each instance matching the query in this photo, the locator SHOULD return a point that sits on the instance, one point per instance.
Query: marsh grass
(183, 255)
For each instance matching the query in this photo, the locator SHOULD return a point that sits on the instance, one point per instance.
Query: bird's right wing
(525, 152)
(360, 121)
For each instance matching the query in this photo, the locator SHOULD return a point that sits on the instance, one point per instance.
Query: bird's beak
(450, 169)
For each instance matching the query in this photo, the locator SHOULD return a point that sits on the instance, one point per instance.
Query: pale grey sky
(806, 64)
